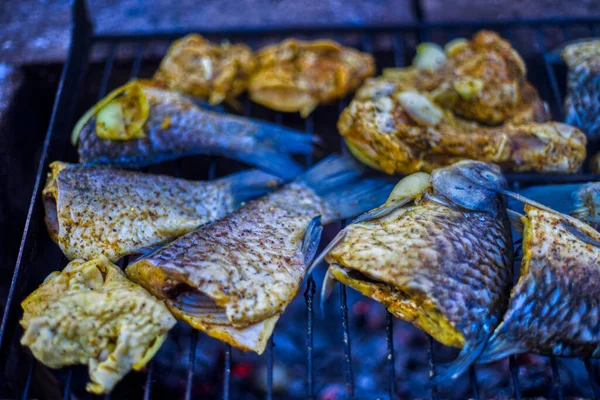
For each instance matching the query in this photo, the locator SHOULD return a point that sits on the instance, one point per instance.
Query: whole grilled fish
(581, 201)
(583, 86)
(93, 211)
(441, 259)
(553, 308)
(148, 125)
(234, 277)
(90, 313)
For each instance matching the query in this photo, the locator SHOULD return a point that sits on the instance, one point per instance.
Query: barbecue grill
(392, 46)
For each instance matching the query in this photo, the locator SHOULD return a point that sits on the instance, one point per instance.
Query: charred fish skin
(583, 86)
(234, 277)
(553, 309)
(90, 313)
(93, 210)
(443, 262)
(176, 127)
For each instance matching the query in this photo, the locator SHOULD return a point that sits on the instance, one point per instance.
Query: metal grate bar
(270, 345)
(591, 370)
(595, 30)
(227, 374)
(398, 45)
(431, 363)
(191, 365)
(347, 346)
(389, 328)
(309, 295)
(137, 62)
(108, 66)
(473, 381)
(556, 378)
(148, 384)
(514, 374)
(551, 75)
(68, 382)
(30, 369)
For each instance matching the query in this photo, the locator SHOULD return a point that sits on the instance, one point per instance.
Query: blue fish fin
(312, 237)
(463, 361)
(357, 197)
(278, 163)
(497, 349)
(331, 173)
(557, 197)
(250, 184)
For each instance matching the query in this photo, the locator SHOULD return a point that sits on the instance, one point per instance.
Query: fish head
(472, 185)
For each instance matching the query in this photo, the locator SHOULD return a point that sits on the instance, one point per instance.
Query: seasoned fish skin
(296, 76)
(441, 268)
(586, 203)
(553, 309)
(198, 67)
(250, 263)
(583, 86)
(392, 137)
(93, 211)
(176, 127)
(90, 313)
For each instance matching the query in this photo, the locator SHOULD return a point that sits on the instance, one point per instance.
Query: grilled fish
(406, 132)
(198, 67)
(583, 86)
(141, 124)
(93, 210)
(553, 309)
(438, 254)
(296, 76)
(90, 313)
(234, 277)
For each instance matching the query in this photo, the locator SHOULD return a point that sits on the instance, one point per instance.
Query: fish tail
(276, 162)
(357, 197)
(287, 140)
(331, 173)
(247, 185)
(463, 361)
(497, 349)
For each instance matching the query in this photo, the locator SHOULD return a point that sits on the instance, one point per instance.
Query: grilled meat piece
(553, 308)
(90, 313)
(93, 211)
(296, 76)
(234, 277)
(586, 202)
(442, 260)
(175, 127)
(583, 86)
(405, 132)
(198, 67)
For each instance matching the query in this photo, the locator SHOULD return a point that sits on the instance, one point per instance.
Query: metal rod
(556, 378)
(148, 384)
(398, 45)
(589, 366)
(227, 374)
(309, 295)
(108, 66)
(473, 381)
(270, 369)
(514, 373)
(191, 365)
(30, 369)
(389, 328)
(67, 391)
(137, 62)
(431, 364)
(347, 346)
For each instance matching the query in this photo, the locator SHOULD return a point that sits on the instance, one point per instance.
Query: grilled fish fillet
(296, 76)
(90, 313)
(234, 277)
(442, 261)
(406, 132)
(553, 308)
(93, 211)
(175, 127)
(198, 67)
(583, 86)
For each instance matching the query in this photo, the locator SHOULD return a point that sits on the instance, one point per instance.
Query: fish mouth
(418, 309)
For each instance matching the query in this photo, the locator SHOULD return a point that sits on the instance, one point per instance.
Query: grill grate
(403, 39)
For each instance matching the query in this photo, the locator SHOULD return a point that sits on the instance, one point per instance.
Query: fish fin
(557, 197)
(278, 163)
(579, 234)
(326, 289)
(498, 349)
(463, 361)
(287, 140)
(334, 242)
(381, 211)
(332, 172)
(358, 197)
(247, 185)
(312, 239)
(515, 220)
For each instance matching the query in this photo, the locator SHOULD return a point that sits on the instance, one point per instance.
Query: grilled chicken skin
(439, 258)
(93, 211)
(406, 132)
(553, 308)
(296, 76)
(200, 68)
(234, 277)
(140, 124)
(90, 313)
